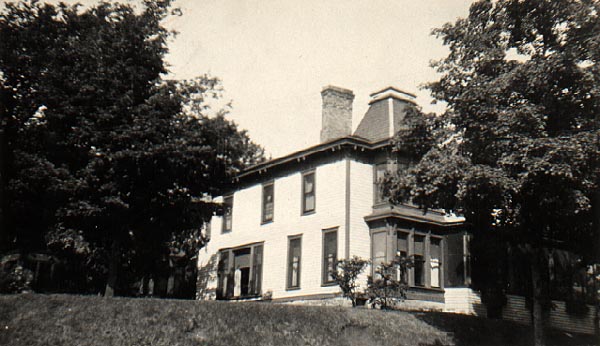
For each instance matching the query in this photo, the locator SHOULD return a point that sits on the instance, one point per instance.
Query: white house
(290, 219)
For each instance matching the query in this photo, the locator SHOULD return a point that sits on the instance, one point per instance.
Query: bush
(346, 275)
(14, 277)
(390, 283)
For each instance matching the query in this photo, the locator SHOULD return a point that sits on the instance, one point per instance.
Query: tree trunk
(537, 315)
(597, 314)
(113, 267)
(596, 229)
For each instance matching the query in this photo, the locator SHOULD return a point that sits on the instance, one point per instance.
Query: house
(291, 218)
(288, 220)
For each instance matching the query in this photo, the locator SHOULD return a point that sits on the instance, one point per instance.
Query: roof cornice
(415, 214)
(354, 142)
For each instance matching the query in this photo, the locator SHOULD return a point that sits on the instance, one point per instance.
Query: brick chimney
(336, 121)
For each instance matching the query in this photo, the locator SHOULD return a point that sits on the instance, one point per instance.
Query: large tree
(519, 157)
(103, 162)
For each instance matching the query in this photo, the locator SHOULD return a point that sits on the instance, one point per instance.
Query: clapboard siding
(516, 310)
(577, 324)
(288, 220)
(467, 301)
(463, 300)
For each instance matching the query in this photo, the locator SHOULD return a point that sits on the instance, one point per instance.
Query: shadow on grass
(474, 331)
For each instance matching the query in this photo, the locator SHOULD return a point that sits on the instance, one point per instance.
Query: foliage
(346, 275)
(419, 133)
(117, 164)
(390, 283)
(14, 277)
(522, 87)
(267, 296)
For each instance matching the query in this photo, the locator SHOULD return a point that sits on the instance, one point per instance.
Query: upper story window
(227, 213)
(268, 202)
(308, 192)
(378, 176)
(400, 166)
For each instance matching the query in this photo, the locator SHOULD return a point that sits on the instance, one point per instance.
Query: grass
(31, 319)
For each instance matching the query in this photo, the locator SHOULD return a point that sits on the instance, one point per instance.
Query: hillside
(31, 319)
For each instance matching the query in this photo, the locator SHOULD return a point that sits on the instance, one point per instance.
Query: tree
(520, 157)
(346, 275)
(117, 164)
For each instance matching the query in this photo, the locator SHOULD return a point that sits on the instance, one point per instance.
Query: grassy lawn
(85, 320)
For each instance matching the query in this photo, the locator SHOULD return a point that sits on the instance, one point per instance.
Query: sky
(275, 56)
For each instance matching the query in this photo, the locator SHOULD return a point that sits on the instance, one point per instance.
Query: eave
(414, 214)
(349, 142)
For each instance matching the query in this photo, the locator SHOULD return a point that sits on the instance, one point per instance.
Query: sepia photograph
(310, 173)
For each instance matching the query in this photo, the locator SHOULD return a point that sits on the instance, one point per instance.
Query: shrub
(267, 296)
(14, 277)
(390, 283)
(346, 275)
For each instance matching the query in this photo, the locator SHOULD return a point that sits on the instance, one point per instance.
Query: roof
(375, 130)
(354, 142)
(391, 88)
(415, 214)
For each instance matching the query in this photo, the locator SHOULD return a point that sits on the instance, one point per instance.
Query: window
(402, 251)
(227, 213)
(255, 284)
(329, 255)
(425, 251)
(268, 202)
(467, 258)
(378, 177)
(239, 272)
(223, 275)
(294, 255)
(402, 246)
(308, 192)
(378, 251)
(419, 257)
(435, 253)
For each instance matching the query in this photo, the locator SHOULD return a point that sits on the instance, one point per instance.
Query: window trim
(224, 230)
(263, 201)
(324, 267)
(288, 276)
(303, 193)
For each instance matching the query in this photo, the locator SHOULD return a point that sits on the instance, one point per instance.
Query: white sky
(274, 56)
